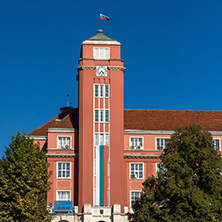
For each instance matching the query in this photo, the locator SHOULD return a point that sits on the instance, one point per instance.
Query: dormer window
(101, 53)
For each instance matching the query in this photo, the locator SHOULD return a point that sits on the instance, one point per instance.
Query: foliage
(23, 182)
(189, 184)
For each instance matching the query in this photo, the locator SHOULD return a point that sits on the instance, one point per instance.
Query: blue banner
(63, 205)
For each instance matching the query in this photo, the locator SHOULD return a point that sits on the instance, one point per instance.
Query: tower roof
(100, 36)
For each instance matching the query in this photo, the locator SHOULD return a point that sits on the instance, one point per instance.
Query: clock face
(101, 70)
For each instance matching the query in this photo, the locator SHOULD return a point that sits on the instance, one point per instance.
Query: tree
(188, 186)
(24, 182)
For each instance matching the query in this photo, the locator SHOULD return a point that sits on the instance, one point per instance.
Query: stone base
(94, 214)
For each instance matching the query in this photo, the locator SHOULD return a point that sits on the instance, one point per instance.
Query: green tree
(189, 183)
(24, 182)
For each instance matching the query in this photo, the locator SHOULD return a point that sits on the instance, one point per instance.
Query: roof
(143, 120)
(100, 36)
(68, 118)
(171, 119)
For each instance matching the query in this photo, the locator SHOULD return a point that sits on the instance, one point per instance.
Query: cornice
(61, 130)
(128, 131)
(96, 42)
(141, 156)
(86, 68)
(122, 60)
(63, 155)
(121, 68)
(38, 137)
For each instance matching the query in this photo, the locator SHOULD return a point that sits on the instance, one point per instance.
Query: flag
(101, 175)
(104, 17)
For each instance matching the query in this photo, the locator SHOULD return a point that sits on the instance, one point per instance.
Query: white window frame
(219, 143)
(135, 172)
(135, 146)
(57, 195)
(134, 191)
(101, 53)
(57, 170)
(156, 148)
(63, 136)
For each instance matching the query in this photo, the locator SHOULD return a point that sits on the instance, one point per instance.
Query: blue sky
(172, 52)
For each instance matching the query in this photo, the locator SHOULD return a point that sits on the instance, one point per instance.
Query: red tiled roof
(171, 119)
(144, 120)
(66, 119)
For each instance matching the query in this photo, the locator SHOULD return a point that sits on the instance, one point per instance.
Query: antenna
(68, 95)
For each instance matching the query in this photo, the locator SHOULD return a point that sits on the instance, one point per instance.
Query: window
(63, 143)
(106, 90)
(157, 168)
(106, 139)
(216, 143)
(101, 115)
(161, 143)
(101, 139)
(133, 196)
(63, 195)
(96, 139)
(63, 170)
(106, 115)
(136, 143)
(101, 53)
(136, 170)
(101, 91)
(96, 91)
(96, 115)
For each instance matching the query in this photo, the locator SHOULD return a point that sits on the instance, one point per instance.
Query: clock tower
(101, 124)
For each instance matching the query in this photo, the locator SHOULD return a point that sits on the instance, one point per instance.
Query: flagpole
(99, 23)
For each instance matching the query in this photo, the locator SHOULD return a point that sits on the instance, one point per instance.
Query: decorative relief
(86, 68)
(63, 155)
(141, 156)
(121, 68)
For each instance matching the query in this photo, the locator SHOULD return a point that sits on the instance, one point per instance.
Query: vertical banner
(101, 170)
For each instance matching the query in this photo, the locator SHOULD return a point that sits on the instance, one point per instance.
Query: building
(100, 153)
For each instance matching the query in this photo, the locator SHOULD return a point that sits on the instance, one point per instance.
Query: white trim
(63, 191)
(57, 168)
(94, 42)
(38, 137)
(61, 130)
(159, 137)
(138, 170)
(129, 131)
